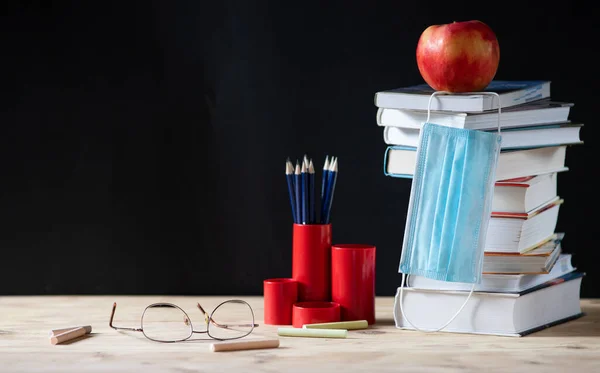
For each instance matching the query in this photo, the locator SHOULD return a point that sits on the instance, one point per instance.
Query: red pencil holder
(311, 261)
(315, 313)
(353, 281)
(280, 294)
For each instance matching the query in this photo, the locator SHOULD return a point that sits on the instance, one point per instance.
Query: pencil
(323, 187)
(303, 175)
(325, 167)
(297, 187)
(289, 175)
(306, 162)
(311, 197)
(331, 189)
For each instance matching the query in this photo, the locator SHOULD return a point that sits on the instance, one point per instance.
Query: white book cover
(502, 314)
(498, 283)
(515, 138)
(400, 161)
(525, 115)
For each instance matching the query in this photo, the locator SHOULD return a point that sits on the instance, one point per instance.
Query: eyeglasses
(166, 322)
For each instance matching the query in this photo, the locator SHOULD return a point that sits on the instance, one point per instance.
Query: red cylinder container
(353, 281)
(314, 313)
(311, 261)
(280, 294)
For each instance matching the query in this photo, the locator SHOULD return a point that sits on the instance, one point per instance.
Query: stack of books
(529, 282)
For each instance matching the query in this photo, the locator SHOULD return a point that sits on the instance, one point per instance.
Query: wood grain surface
(26, 321)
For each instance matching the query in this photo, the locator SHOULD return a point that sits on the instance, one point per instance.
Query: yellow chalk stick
(314, 333)
(348, 325)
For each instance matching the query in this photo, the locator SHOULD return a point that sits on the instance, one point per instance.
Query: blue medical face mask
(450, 204)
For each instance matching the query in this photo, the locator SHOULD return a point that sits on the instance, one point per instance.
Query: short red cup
(279, 296)
(311, 261)
(353, 281)
(314, 313)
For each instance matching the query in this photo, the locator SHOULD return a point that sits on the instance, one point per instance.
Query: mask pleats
(441, 193)
(452, 239)
(426, 206)
(449, 199)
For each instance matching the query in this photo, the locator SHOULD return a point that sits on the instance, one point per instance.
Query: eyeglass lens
(165, 322)
(230, 320)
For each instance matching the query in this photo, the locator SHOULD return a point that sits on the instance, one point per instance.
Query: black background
(143, 144)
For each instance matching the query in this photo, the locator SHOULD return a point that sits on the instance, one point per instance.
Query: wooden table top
(26, 321)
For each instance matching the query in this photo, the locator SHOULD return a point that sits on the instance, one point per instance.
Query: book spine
(378, 116)
(386, 136)
(414, 119)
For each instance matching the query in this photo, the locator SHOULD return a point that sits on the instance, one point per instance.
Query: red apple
(458, 56)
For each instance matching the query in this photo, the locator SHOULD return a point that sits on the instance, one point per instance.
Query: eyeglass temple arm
(221, 325)
(112, 315)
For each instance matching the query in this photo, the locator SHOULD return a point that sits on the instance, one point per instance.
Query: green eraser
(314, 333)
(348, 325)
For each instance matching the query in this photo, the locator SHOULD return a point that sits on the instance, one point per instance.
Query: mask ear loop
(470, 93)
(404, 275)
